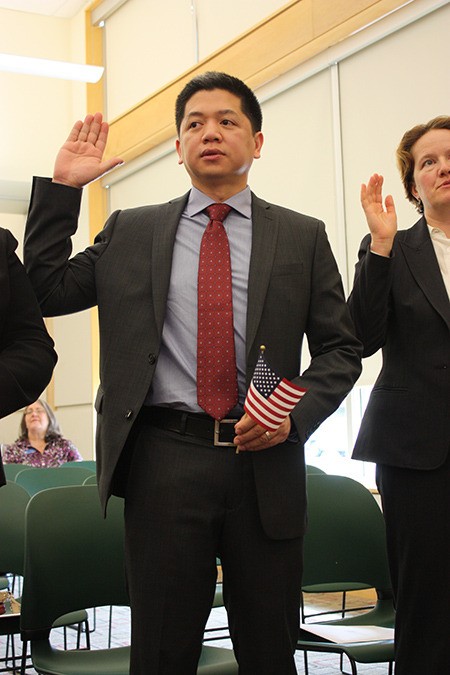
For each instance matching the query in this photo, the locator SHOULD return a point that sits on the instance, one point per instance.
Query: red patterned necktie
(217, 389)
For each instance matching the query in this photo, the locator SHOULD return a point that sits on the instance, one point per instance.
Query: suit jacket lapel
(421, 259)
(162, 252)
(264, 236)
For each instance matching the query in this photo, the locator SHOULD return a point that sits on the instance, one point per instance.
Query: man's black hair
(215, 80)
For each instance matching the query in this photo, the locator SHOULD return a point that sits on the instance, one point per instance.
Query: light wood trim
(50, 389)
(297, 32)
(97, 195)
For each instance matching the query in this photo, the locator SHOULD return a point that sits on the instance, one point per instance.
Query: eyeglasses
(38, 411)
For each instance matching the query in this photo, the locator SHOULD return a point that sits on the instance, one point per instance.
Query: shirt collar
(241, 202)
(437, 233)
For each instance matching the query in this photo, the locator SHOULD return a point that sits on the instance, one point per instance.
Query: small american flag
(270, 398)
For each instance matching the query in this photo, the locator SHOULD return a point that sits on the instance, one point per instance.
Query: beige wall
(35, 116)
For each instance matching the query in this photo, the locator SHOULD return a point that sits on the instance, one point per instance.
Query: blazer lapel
(264, 236)
(162, 252)
(421, 259)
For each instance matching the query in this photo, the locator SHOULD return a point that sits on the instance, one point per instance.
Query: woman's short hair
(53, 429)
(405, 160)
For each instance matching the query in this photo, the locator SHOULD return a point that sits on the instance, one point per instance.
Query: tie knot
(218, 211)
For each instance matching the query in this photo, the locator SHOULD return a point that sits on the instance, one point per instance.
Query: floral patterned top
(57, 451)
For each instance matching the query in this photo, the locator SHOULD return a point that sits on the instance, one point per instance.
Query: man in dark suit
(187, 498)
(27, 357)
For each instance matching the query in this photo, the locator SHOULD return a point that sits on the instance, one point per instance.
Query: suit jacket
(27, 356)
(294, 289)
(400, 304)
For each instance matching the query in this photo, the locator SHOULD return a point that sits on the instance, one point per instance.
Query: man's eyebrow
(198, 113)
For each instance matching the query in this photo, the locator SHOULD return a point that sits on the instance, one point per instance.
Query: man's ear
(178, 149)
(259, 140)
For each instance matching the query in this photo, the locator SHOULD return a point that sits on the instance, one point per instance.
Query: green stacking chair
(13, 503)
(77, 561)
(338, 587)
(313, 469)
(345, 543)
(11, 470)
(36, 479)
(90, 464)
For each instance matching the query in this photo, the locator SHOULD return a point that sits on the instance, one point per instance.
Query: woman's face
(36, 419)
(431, 155)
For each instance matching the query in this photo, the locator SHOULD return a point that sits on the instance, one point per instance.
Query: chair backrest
(74, 557)
(13, 503)
(36, 479)
(11, 470)
(313, 469)
(345, 540)
(90, 464)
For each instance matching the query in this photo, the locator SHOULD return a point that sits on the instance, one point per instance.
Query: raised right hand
(382, 221)
(79, 160)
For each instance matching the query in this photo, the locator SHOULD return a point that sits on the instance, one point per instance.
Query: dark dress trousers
(400, 305)
(294, 289)
(27, 357)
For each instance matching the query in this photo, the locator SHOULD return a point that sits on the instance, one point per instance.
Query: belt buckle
(217, 424)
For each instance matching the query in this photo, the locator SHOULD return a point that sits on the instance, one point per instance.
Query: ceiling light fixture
(64, 70)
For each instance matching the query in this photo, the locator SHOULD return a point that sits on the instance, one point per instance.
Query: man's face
(216, 142)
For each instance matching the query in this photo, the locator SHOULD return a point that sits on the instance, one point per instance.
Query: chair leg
(352, 665)
(302, 608)
(23, 662)
(88, 635)
(110, 626)
(13, 652)
(341, 659)
(305, 661)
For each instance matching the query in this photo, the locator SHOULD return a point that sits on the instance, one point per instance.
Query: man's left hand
(253, 437)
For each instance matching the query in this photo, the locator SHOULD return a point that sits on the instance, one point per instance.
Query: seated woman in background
(40, 442)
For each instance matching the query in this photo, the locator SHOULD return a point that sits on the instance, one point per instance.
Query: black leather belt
(190, 424)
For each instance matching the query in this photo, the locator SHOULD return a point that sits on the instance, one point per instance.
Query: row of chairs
(345, 544)
(50, 477)
(14, 500)
(23, 482)
(74, 560)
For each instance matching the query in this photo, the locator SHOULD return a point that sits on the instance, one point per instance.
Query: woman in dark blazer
(400, 304)
(27, 357)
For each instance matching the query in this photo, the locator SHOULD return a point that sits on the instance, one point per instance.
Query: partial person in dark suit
(400, 304)
(188, 499)
(27, 357)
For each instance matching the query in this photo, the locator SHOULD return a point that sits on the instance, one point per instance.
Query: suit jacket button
(151, 359)
(128, 414)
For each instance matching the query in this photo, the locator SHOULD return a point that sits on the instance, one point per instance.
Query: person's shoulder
(13, 448)
(8, 242)
(150, 210)
(418, 229)
(285, 213)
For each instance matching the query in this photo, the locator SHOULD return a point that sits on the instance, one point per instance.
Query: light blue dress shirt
(174, 382)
